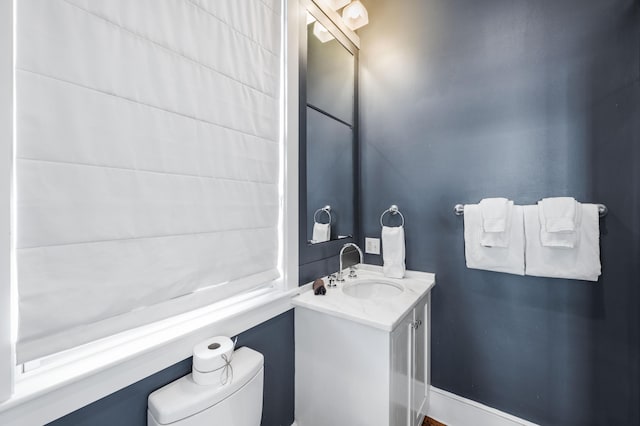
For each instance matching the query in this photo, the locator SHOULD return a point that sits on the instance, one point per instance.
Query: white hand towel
(499, 259)
(581, 262)
(393, 251)
(558, 214)
(496, 238)
(559, 219)
(321, 232)
(495, 212)
(566, 239)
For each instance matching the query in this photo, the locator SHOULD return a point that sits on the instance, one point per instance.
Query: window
(147, 162)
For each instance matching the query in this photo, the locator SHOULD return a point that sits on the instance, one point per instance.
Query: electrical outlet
(372, 245)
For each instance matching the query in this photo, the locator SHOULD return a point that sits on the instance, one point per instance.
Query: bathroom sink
(372, 289)
(370, 299)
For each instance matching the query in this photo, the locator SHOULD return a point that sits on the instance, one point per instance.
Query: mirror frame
(309, 253)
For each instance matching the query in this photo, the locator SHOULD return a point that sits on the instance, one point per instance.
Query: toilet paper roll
(207, 355)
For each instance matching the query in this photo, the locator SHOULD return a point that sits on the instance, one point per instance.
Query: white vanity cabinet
(357, 364)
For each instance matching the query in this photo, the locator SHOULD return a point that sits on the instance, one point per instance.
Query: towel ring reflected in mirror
(326, 209)
(393, 210)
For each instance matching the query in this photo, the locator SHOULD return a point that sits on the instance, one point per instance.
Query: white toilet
(239, 403)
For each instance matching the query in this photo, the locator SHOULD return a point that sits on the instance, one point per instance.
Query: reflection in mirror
(321, 230)
(330, 91)
(330, 75)
(329, 173)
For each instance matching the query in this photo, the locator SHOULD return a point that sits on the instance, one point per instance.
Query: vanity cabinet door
(420, 367)
(401, 372)
(410, 367)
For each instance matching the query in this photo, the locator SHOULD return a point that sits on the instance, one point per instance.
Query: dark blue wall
(466, 99)
(274, 339)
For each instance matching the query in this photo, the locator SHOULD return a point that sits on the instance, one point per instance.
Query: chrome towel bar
(458, 209)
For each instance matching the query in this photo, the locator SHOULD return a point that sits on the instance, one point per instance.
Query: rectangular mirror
(328, 98)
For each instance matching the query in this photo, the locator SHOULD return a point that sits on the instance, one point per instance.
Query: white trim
(6, 148)
(58, 391)
(454, 410)
(290, 162)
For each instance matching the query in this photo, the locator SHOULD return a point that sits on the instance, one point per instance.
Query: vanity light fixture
(355, 15)
(310, 18)
(322, 33)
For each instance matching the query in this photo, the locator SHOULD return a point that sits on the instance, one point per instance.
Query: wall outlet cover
(372, 245)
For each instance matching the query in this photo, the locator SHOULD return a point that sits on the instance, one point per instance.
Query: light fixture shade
(355, 15)
(322, 33)
(336, 4)
(310, 18)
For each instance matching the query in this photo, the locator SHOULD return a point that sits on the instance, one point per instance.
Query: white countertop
(383, 314)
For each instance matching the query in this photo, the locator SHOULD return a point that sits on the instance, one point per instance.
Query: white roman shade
(147, 161)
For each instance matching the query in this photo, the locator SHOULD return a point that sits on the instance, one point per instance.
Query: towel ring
(326, 209)
(393, 210)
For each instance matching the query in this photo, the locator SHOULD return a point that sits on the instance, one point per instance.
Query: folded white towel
(566, 239)
(496, 238)
(393, 251)
(321, 232)
(500, 259)
(495, 212)
(558, 214)
(581, 262)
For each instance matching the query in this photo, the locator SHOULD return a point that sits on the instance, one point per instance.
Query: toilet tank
(239, 403)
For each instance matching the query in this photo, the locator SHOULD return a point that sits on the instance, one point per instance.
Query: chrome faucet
(352, 271)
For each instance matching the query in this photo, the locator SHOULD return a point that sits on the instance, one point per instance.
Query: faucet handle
(332, 279)
(352, 272)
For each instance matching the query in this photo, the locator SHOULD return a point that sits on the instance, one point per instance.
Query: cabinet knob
(416, 324)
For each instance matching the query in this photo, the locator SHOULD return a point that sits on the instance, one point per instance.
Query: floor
(428, 421)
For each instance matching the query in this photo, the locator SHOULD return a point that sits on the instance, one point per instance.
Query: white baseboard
(454, 410)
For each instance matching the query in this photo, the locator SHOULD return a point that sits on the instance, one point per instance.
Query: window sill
(72, 382)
